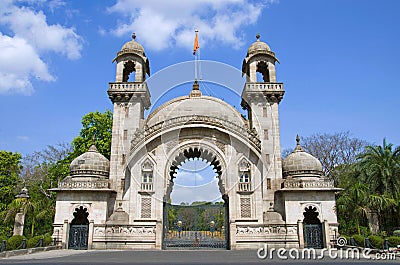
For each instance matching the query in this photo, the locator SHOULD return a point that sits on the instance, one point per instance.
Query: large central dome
(202, 106)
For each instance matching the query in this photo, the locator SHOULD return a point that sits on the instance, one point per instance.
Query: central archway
(199, 225)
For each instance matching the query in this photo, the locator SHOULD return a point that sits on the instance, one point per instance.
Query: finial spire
(133, 36)
(298, 147)
(93, 139)
(258, 36)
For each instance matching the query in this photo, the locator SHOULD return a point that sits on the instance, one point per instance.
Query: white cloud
(161, 24)
(21, 53)
(19, 62)
(23, 138)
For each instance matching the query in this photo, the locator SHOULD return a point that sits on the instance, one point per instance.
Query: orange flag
(196, 43)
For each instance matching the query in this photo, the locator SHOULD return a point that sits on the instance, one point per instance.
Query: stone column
(300, 233)
(90, 235)
(19, 224)
(326, 234)
(159, 234)
(64, 239)
(232, 236)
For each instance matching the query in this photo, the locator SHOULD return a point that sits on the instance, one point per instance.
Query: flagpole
(195, 53)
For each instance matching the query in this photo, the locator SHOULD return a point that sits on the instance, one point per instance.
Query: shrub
(14, 242)
(360, 240)
(376, 241)
(34, 241)
(396, 233)
(47, 240)
(394, 241)
(347, 238)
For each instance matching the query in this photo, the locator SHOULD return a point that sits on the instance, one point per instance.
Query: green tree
(95, 125)
(382, 167)
(10, 167)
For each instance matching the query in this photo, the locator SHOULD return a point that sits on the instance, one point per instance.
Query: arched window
(147, 175)
(129, 67)
(262, 69)
(244, 175)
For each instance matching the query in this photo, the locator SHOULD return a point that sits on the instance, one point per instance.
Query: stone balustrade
(308, 184)
(242, 130)
(147, 187)
(128, 86)
(272, 91)
(269, 87)
(244, 186)
(72, 184)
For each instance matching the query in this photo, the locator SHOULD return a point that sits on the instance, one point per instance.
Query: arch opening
(198, 218)
(195, 182)
(313, 235)
(262, 72)
(79, 229)
(129, 68)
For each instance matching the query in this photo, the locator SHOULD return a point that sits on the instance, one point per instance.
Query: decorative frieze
(308, 184)
(124, 231)
(265, 230)
(141, 135)
(72, 184)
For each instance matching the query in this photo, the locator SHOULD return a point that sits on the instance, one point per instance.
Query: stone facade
(123, 200)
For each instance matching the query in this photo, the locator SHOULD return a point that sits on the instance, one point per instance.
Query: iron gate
(313, 236)
(193, 227)
(78, 237)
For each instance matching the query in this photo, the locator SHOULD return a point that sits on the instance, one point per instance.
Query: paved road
(73, 257)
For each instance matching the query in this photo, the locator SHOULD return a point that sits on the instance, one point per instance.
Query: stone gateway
(122, 203)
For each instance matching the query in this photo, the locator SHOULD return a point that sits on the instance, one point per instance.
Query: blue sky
(339, 60)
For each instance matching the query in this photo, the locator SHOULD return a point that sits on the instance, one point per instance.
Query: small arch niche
(262, 72)
(311, 215)
(80, 216)
(129, 73)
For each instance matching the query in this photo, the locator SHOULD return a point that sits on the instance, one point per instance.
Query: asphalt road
(165, 257)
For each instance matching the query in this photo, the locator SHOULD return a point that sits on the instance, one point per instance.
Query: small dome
(301, 164)
(91, 163)
(258, 47)
(132, 47)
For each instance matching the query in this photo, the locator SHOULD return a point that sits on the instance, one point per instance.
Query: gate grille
(78, 237)
(194, 227)
(313, 236)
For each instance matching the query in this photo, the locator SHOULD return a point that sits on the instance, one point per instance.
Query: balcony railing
(147, 187)
(269, 87)
(128, 86)
(244, 186)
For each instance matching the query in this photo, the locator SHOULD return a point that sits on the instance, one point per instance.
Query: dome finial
(258, 36)
(93, 139)
(298, 146)
(133, 36)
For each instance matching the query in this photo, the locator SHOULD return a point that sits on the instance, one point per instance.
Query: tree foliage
(10, 167)
(333, 150)
(98, 126)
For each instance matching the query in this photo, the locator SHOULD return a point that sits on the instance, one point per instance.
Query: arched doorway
(196, 223)
(79, 229)
(313, 237)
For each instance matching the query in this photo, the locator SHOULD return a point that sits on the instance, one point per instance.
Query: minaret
(260, 97)
(130, 97)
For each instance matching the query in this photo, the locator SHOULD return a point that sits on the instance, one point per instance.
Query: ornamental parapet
(242, 130)
(308, 184)
(95, 185)
(125, 91)
(272, 91)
